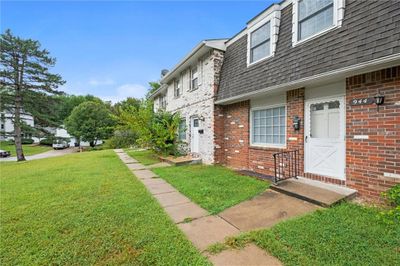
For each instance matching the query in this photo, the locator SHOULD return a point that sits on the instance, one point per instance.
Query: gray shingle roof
(370, 30)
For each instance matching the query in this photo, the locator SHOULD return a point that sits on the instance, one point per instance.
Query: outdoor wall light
(296, 123)
(379, 99)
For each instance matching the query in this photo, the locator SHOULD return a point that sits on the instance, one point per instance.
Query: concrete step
(316, 192)
(181, 160)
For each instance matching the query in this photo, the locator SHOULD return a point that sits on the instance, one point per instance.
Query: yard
(29, 149)
(85, 209)
(214, 188)
(145, 157)
(346, 234)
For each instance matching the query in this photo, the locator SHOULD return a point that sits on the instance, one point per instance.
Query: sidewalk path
(47, 154)
(199, 226)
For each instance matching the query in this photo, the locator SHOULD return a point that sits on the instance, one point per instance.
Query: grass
(84, 209)
(346, 234)
(146, 157)
(29, 149)
(214, 188)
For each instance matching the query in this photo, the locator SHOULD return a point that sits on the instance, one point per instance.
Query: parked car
(4, 153)
(60, 144)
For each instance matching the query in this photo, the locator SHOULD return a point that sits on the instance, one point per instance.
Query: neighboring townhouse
(7, 126)
(189, 89)
(321, 77)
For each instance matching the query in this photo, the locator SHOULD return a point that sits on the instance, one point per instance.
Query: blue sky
(111, 49)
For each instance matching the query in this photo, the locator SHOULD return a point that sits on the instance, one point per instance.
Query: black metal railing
(286, 165)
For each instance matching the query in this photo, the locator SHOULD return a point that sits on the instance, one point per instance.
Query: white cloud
(124, 91)
(101, 82)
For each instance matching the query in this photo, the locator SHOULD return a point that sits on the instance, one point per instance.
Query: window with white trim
(268, 126)
(177, 88)
(194, 79)
(260, 43)
(162, 102)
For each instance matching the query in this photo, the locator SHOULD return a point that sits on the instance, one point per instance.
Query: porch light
(379, 99)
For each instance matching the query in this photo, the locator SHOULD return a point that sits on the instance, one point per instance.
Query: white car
(60, 144)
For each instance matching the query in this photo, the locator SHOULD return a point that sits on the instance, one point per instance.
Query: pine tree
(26, 85)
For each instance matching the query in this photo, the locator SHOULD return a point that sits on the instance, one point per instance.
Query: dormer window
(194, 80)
(315, 17)
(260, 43)
(262, 35)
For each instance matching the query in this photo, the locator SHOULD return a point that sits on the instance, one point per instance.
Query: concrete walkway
(46, 154)
(201, 228)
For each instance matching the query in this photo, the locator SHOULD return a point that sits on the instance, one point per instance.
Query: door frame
(342, 99)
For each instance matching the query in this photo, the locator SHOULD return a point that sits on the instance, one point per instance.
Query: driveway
(47, 154)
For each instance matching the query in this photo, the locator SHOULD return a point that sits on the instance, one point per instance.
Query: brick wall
(235, 148)
(367, 160)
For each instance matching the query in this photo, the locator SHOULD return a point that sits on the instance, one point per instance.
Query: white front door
(194, 142)
(325, 137)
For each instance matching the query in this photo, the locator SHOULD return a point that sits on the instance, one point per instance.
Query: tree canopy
(26, 84)
(90, 121)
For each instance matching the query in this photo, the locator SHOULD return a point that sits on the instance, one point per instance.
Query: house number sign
(362, 101)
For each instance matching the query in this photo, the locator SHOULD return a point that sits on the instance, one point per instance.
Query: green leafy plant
(392, 196)
(157, 131)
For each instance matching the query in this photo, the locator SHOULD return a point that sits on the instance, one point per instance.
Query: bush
(121, 139)
(47, 141)
(27, 141)
(392, 197)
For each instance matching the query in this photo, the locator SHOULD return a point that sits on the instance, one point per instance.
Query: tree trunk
(17, 129)
(17, 110)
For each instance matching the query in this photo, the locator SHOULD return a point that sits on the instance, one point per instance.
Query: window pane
(269, 126)
(260, 35)
(259, 52)
(309, 7)
(316, 23)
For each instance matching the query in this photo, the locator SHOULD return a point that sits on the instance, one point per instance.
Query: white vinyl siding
(268, 126)
(260, 43)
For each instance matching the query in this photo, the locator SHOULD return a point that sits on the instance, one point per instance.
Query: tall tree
(26, 85)
(66, 103)
(90, 121)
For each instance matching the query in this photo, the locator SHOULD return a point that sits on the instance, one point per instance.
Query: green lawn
(146, 157)
(84, 209)
(29, 149)
(214, 188)
(347, 234)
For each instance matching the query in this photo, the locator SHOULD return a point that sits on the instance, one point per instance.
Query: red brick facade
(366, 160)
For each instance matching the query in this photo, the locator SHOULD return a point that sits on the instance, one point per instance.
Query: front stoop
(316, 192)
(182, 160)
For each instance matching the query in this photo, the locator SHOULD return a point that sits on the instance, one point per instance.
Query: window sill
(259, 61)
(268, 147)
(316, 35)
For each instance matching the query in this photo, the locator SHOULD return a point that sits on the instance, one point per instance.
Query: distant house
(7, 126)
(190, 89)
(61, 132)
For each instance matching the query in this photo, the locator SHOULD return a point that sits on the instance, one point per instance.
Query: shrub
(47, 141)
(392, 197)
(121, 139)
(27, 141)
